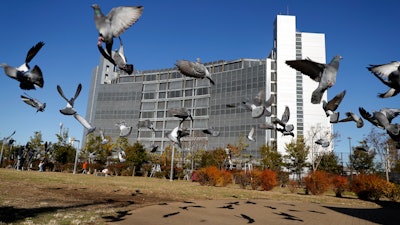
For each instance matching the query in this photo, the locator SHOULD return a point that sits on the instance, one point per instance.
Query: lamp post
(350, 163)
(76, 154)
(172, 163)
(5, 140)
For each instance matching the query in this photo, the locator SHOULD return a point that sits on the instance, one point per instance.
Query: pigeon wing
(286, 115)
(308, 67)
(123, 17)
(29, 101)
(33, 51)
(384, 70)
(366, 115)
(36, 76)
(78, 91)
(390, 113)
(60, 91)
(334, 103)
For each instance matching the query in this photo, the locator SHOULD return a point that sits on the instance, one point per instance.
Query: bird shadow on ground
(12, 214)
(388, 214)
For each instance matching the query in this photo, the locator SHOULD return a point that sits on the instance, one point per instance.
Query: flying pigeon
(121, 155)
(194, 69)
(283, 121)
(250, 135)
(176, 134)
(39, 106)
(257, 107)
(259, 100)
(271, 126)
(28, 78)
(84, 122)
(331, 106)
(181, 113)
(104, 140)
(211, 131)
(153, 148)
(124, 129)
(117, 21)
(382, 118)
(325, 74)
(146, 124)
(324, 143)
(69, 109)
(388, 74)
(118, 58)
(353, 117)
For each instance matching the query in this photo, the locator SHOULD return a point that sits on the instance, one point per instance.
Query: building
(147, 95)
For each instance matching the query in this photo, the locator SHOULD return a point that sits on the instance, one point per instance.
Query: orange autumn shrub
(212, 176)
(268, 179)
(373, 187)
(255, 179)
(225, 178)
(339, 184)
(317, 182)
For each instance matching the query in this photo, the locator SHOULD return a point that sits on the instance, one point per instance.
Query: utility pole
(350, 163)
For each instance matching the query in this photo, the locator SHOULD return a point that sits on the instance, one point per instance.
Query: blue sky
(362, 32)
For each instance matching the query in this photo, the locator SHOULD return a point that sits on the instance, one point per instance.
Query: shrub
(225, 178)
(268, 179)
(317, 182)
(254, 179)
(368, 186)
(242, 179)
(339, 184)
(292, 186)
(208, 175)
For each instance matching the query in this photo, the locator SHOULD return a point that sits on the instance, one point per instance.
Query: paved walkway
(264, 212)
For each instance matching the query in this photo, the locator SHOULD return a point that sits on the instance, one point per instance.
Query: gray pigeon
(211, 131)
(382, 118)
(118, 59)
(388, 74)
(117, 21)
(250, 135)
(153, 148)
(176, 134)
(284, 121)
(69, 109)
(104, 140)
(39, 106)
(146, 124)
(194, 69)
(353, 117)
(85, 123)
(331, 106)
(325, 74)
(124, 129)
(29, 79)
(324, 143)
(181, 113)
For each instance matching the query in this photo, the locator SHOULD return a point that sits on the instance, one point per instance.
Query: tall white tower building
(292, 88)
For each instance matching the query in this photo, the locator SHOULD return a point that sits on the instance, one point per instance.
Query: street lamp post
(5, 140)
(171, 178)
(350, 162)
(76, 155)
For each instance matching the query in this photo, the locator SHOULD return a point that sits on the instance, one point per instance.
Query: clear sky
(363, 32)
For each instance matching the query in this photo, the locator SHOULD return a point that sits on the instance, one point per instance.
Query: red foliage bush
(340, 184)
(268, 179)
(317, 182)
(212, 176)
(371, 186)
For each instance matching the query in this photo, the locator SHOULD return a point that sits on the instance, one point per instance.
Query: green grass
(65, 198)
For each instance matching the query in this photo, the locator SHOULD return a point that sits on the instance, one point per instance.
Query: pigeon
(69, 109)
(388, 74)
(353, 117)
(176, 134)
(250, 136)
(124, 129)
(181, 113)
(211, 131)
(324, 143)
(194, 69)
(118, 58)
(325, 74)
(146, 124)
(271, 126)
(331, 106)
(84, 122)
(121, 155)
(256, 110)
(382, 118)
(259, 100)
(117, 21)
(28, 78)
(283, 121)
(103, 139)
(153, 148)
(39, 106)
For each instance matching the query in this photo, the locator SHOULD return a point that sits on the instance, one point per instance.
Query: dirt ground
(23, 200)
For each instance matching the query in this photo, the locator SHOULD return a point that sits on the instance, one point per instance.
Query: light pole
(172, 163)
(350, 162)
(76, 154)
(5, 140)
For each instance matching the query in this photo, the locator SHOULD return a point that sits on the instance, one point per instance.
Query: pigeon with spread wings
(194, 69)
(39, 106)
(388, 74)
(69, 109)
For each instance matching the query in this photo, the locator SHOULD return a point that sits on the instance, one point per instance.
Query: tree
(213, 158)
(329, 162)
(270, 157)
(136, 154)
(297, 153)
(362, 161)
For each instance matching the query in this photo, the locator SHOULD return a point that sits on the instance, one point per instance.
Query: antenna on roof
(287, 10)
